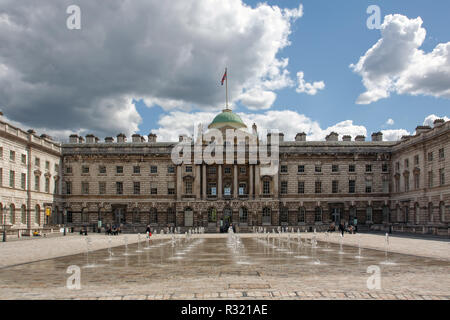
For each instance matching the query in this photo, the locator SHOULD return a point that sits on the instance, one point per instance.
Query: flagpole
(226, 87)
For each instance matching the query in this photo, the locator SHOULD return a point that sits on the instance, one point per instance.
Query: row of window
(334, 187)
(119, 169)
(430, 157)
(23, 181)
(430, 180)
(12, 219)
(23, 159)
(119, 188)
(334, 168)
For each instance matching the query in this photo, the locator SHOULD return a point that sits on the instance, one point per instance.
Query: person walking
(341, 228)
(148, 231)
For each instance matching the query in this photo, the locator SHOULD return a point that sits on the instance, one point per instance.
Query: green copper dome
(227, 118)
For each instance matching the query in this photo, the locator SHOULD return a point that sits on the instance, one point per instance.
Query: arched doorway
(266, 216)
(227, 215)
(188, 217)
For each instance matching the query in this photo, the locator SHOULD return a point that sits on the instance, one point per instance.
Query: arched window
(352, 214)
(188, 217)
(12, 214)
(101, 214)
(212, 215)
(153, 216)
(266, 216)
(243, 215)
(406, 217)
(301, 217)
(386, 213)
(136, 217)
(318, 214)
(442, 211)
(171, 215)
(85, 216)
(23, 211)
(398, 213)
(284, 215)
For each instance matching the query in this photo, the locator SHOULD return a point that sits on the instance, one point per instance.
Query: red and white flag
(224, 77)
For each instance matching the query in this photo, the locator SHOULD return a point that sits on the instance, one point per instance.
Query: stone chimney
(438, 122)
(31, 131)
(404, 138)
(280, 137)
(422, 129)
(333, 136)
(46, 136)
(360, 138)
(109, 139)
(142, 139)
(121, 138)
(73, 138)
(136, 138)
(80, 139)
(377, 136)
(300, 136)
(96, 139)
(90, 138)
(347, 138)
(152, 138)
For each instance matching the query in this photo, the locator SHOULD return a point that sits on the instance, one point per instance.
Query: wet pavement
(231, 267)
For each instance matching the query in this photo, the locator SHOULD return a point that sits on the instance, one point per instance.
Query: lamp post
(64, 221)
(5, 209)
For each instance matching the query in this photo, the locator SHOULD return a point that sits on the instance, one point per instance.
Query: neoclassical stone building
(403, 184)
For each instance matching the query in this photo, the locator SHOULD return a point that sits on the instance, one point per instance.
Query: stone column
(235, 181)
(219, 181)
(250, 184)
(275, 185)
(257, 182)
(179, 183)
(197, 182)
(204, 181)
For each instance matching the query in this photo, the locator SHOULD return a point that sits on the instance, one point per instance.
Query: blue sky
(146, 66)
(324, 42)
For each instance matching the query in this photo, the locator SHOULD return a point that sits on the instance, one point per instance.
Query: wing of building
(376, 184)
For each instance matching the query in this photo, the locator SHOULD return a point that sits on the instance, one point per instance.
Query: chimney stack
(121, 138)
(360, 138)
(136, 138)
(90, 138)
(333, 136)
(347, 138)
(438, 122)
(300, 136)
(377, 136)
(422, 129)
(73, 138)
(109, 140)
(152, 138)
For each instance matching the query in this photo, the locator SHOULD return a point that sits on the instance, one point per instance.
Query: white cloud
(390, 122)
(394, 134)
(395, 64)
(306, 87)
(429, 121)
(168, 53)
(288, 122)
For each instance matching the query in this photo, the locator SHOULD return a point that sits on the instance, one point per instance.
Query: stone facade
(318, 182)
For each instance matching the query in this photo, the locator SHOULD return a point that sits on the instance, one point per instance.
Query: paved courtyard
(215, 266)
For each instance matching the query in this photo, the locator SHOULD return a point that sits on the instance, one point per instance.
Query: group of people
(113, 230)
(351, 228)
(224, 227)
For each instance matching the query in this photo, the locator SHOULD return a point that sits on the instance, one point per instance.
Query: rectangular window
(12, 155)
(406, 163)
(119, 169)
(23, 181)
(85, 187)
(351, 186)
(430, 156)
(416, 160)
(441, 177)
(47, 185)
(188, 169)
(68, 187)
(102, 169)
(301, 187)
(334, 168)
(153, 188)
(11, 179)
(284, 187)
(227, 170)
(351, 168)
(153, 169)
(301, 168)
(171, 187)
(430, 179)
(102, 187)
(1, 152)
(335, 186)
(170, 169)
(85, 169)
(136, 187)
(369, 186)
(212, 170)
(1, 176)
(368, 168)
(284, 168)
(36, 183)
(385, 167)
(136, 169)
(68, 170)
(441, 153)
(119, 187)
(386, 186)
(318, 186)
(243, 170)
(37, 162)
(47, 165)
(242, 189)
(188, 186)
(24, 159)
(406, 183)
(318, 168)
(266, 187)
(56, 167)
(416, 181)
